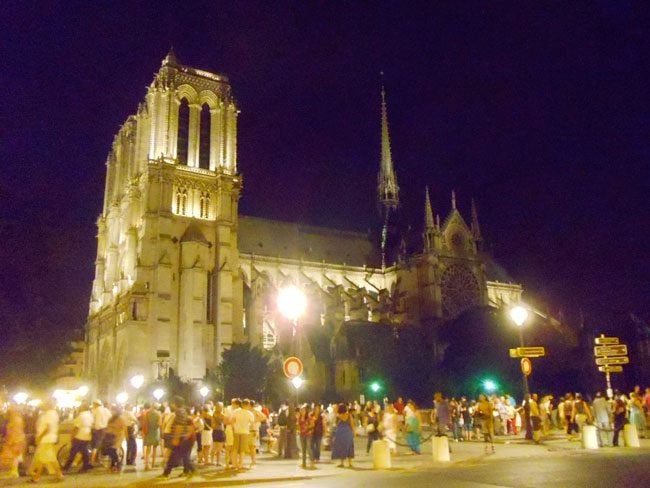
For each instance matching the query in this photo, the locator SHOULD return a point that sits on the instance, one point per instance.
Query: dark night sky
(538, 110)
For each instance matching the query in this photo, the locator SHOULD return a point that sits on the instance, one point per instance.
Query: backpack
(282, 418)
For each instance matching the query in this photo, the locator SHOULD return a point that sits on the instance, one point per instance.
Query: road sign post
(610, 356)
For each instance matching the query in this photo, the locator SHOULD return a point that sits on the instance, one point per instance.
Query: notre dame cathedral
(180, 275)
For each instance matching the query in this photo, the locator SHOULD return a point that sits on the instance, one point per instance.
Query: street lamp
(489, 385)
(158, 393)
(122, 397)
(204, 392)
(297, 382)
(83, 390)
(20, 397)
(292, 303)
(519, 315)
(137, 381)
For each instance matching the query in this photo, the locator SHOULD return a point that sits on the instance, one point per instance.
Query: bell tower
(167, 293)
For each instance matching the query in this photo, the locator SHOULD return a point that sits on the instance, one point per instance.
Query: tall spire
(428, 213)
(475, 227)
(387, 182)
(453, 199)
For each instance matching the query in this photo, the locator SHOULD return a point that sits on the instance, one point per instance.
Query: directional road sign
(529, 352)
(605, 341)
(610, 369)
(613, 350)
(612, 360)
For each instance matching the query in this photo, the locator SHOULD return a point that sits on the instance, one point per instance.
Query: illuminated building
(180, 275)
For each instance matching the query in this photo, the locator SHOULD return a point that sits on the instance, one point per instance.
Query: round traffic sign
(526, 366)
(292, 367)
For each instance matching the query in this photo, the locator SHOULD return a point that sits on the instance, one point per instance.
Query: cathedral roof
(275, 238)
(194, 234)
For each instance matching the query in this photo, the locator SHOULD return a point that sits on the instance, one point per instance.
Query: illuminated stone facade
(180, 275)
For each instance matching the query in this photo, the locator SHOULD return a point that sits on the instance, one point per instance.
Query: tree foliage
(244, 371)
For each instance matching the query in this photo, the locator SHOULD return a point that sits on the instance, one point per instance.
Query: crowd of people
(231, 436)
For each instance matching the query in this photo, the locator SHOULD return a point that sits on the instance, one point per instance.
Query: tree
(244, 371)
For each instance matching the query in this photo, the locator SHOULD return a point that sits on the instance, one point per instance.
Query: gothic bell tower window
(180, 203)
(204, 137)
(183, 131)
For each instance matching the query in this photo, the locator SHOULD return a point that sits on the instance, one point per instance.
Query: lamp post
(203, 391)
(158, 393)
(519, 315)
(136, 382)
(297, 382)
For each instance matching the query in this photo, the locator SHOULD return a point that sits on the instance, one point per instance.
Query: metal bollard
(381, 455)
(631, 436)
(589, 437)
(440, 445)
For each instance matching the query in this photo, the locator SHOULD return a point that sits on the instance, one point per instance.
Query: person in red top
(306, 428)
(399, 410)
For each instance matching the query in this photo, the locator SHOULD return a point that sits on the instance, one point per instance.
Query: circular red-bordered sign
(292, 367)
(526, 366)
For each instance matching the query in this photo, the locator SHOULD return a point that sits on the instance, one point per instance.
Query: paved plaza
(515, 463)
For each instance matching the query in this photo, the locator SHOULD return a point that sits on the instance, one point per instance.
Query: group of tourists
(232, 436)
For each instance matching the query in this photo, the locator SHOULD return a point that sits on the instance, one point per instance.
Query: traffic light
(490, 385)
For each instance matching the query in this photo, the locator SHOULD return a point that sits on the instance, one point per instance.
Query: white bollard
(440, 444)
(631, 436)
(381, 455)
(589, 437)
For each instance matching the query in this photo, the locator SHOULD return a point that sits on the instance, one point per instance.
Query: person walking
(441, 414)
(114, 437)
(306, 429)
(372, 428)
(602, 412)
(569, 416)
(243, 420)
(637, 415)
(535, 418)
(218, 434)
(620, 417)
(412, 426)
(390, 425)
(182, 440)
(47, 433)
(151, 423)
(343, 444)
(206, 436)
(486, 419)
(317, 434)
(14, 442)
(581, 414)
(131, 422)
(282, 424)
(81, 438)
(101, 415)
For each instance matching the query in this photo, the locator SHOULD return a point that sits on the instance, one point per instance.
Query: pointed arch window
(204, 137)
(181, 201)
(204, 205)
(183, 131)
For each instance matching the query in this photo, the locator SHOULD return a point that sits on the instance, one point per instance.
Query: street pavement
(516, 463)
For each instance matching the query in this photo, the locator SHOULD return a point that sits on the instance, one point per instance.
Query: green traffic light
(489, 385)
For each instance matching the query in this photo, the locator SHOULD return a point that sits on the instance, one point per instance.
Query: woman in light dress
(389, 423)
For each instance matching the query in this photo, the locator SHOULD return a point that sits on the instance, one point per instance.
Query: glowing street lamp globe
(297, 382)
(83, 390)
(375, 387)
(292, 302)
(20, 397)
(519, 315)
(158, 393)
(122, 397)
(204, 391)
(137, 381)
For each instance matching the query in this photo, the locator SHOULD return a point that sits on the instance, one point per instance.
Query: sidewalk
(279, 471)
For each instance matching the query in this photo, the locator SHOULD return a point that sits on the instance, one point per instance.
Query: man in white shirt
(83, 424)
(243, 420)
(101, 416)
(47, 433)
